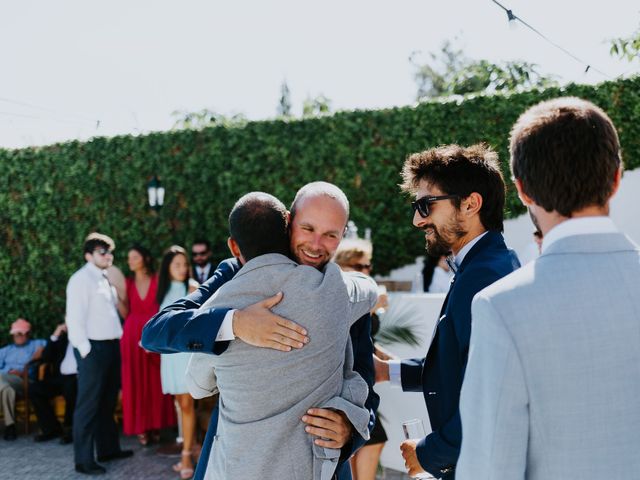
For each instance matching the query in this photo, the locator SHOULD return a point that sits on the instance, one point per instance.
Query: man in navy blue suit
(459, 205)
(319, 214)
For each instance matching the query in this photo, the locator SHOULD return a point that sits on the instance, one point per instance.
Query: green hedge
(52, 197)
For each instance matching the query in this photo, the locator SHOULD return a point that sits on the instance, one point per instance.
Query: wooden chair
(23, 406)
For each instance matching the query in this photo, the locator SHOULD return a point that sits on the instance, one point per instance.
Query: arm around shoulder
(183, 327)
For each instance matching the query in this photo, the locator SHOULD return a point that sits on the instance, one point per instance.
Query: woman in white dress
(173, 284)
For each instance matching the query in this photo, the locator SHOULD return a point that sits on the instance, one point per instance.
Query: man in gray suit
(553, 379)
(264, 392)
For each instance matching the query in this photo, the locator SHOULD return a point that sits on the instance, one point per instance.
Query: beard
(440, 242)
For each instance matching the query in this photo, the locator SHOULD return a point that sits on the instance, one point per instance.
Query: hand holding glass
(414, 430)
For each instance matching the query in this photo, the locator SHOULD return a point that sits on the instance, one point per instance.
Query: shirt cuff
(395, 376)
(53, 338)
(84, 348)
(225, 333)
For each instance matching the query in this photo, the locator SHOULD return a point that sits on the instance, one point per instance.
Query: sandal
(185, 472)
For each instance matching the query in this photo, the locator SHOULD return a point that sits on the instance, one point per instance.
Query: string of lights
(49, 110)
(514, 18)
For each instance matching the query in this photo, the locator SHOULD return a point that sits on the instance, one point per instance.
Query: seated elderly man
(14, 359)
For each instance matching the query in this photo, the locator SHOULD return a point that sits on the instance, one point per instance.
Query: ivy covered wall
(51, 197)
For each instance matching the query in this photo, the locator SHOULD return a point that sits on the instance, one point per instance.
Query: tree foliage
(284, 104)
(627, 48)
(450, 72)
(207, 118)
(313, 107)
(51, 197)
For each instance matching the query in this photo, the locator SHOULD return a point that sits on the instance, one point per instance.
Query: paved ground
(26, 460)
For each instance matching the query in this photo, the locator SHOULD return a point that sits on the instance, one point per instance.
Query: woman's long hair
(164, 278)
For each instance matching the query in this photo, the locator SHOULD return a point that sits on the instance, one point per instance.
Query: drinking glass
(414, 429)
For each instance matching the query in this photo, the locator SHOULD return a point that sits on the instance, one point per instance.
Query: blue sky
(130, 64)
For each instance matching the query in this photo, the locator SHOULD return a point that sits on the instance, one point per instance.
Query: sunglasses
(422, 204)
(199, 254)
(359, 267)
(103, 251)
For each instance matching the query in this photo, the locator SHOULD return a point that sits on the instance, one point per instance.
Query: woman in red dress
(145, 408)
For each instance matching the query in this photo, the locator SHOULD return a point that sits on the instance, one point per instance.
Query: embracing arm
(182, 327)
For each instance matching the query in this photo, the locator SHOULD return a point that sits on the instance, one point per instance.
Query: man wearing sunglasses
(201, 256)
(459, 202)
(94, 330)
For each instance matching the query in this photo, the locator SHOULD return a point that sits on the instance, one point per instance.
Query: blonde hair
(351, 249)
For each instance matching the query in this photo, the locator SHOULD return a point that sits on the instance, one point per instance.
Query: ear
(616, 182)
(472, 204)
(524, 198)
(235, 250)
(87, 257)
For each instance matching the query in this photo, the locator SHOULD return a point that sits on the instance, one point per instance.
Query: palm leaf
(397, 334)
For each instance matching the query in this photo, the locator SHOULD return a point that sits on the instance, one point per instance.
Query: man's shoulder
(513, 286)
(485, 269)
(79, 276)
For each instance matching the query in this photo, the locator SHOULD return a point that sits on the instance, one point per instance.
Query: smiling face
(316, 229)
(443, 229)
(179, 268)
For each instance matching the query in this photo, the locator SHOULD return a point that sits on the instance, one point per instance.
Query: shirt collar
(97, 271)
(578, 226)
(464, 250)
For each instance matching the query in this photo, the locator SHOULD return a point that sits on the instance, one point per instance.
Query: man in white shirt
(552, 383)
(94, 331)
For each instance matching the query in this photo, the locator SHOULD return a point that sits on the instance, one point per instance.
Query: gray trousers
(9, 385)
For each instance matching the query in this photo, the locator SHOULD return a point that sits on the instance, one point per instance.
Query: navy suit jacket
(181, 327)
(439, 376)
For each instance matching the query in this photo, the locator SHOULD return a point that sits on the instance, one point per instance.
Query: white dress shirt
(395, 370)
(578, 226)
(91, 308)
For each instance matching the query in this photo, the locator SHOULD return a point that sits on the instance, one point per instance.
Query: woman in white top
(173, 284)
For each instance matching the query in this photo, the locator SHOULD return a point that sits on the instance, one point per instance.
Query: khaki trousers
(9, 385)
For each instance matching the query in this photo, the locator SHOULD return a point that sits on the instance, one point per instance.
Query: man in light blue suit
(553, 379)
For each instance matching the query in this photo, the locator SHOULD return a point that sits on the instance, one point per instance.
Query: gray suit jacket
(264, 393)
(553, 380)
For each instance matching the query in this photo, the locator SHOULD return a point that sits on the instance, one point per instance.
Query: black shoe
(91, 469)
(45, 437)
(66, 438)
(115, 456)
(10, 433)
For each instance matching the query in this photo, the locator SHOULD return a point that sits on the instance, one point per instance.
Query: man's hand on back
(332, 428)
(257, 326)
